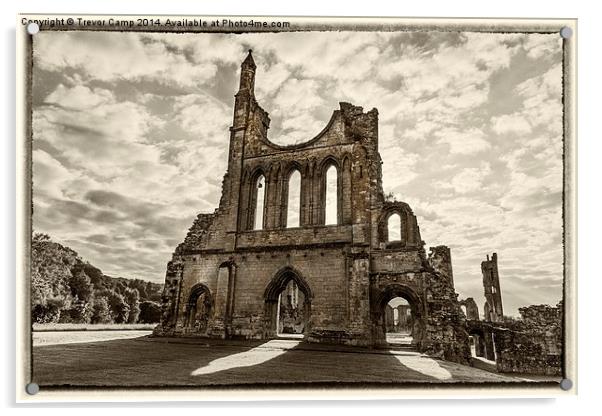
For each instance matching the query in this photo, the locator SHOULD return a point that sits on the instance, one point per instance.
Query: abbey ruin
(326, 268)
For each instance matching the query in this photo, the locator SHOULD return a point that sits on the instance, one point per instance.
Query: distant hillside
(66, 289)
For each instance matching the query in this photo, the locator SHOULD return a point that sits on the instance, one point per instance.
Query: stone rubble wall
(532, 344)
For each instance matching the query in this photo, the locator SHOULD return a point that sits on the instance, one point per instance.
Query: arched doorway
(287, 305)
(198, 309)
(413, 322)
(398, 322)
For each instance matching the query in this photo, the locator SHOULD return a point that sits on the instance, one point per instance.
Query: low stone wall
(526, 352)
(533, 344)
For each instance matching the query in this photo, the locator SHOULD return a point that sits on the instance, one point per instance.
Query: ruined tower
(494, 311)
(229, 277)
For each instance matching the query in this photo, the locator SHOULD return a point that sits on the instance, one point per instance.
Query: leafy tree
(101, 312)
(120, 310)
(132, 297)
(154, 291)
(64, 288)
(50, 312)
(120, 287)
(78, 313)
(81, 287)
(96, 276)
(150, 312)
(50, 269)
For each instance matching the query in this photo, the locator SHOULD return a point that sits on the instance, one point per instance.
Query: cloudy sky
(131, 138)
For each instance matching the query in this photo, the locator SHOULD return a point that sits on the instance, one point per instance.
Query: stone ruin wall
(349, 271)
(532, 344)
(352, 269)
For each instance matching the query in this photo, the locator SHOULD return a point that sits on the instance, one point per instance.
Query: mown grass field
(92, 327)
(129, 358)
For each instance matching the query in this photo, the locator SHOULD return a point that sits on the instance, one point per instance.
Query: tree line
(66, 289)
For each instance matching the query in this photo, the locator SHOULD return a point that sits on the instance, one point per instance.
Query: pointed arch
(281, 279)
(330, 191)
(198, 308)
(394, 227)
(257, 200)
(272, 296)
(408, 230)
(292, 203)
(197, 290)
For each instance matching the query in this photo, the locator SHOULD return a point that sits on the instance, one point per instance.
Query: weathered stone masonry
(529, 345)
(347, 272)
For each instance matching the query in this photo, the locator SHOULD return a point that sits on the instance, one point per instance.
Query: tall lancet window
(293, 207)
(259, 203)
(331, 214)
(394, 227)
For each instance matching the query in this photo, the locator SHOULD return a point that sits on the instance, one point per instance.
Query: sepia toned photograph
(282, 203)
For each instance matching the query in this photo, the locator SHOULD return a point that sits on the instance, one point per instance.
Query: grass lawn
(92, 327)
(142, 361)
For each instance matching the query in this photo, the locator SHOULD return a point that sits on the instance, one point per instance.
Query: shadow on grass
(161, 362)
(140, 361)
(287, 362)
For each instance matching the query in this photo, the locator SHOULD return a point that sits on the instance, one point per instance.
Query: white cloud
(144, 118)
(542, 99)
(113, 56)
(470, 179)
(514, 123)
(538, 45)
(467, 142)
(79, 97)
(50, 176)
(201, 115)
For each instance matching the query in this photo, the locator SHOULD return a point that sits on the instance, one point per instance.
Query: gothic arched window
(331, 196)
(394, 227)
(293, 206)
(259, 192)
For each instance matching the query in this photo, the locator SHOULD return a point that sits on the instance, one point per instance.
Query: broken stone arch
(273, 291)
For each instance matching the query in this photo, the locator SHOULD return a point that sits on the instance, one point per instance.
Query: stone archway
(199, 309)
(379, 304)
(273, 301)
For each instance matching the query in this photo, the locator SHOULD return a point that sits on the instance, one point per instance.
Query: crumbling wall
(169, 298)
(447, 337)
(196, 234)
(533, 344)
(440, 260)
(439, 326)
(472, 310)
